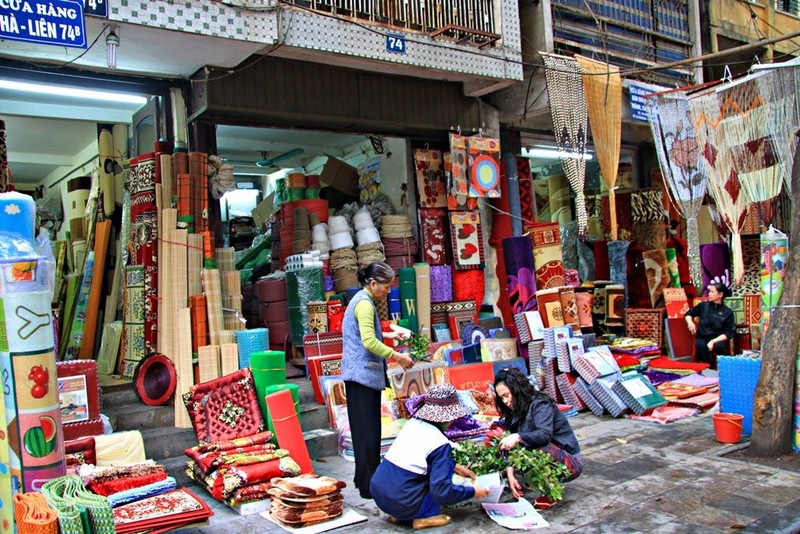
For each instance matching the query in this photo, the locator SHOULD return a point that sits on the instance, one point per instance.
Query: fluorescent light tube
(62, 90)
(553, 153)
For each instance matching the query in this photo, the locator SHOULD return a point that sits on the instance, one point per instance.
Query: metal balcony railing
(465, 21)
(634, 33)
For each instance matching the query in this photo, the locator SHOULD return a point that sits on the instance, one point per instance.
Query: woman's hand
(513, 484)
(509, 442)
(405, 361)
(481, 493)
(710, 345)
(465, 472)
(692, 327)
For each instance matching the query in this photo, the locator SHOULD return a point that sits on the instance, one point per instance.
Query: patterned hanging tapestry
(568, 109)
(779, 88)
(602, 85)
(430, 179)
(714, 119)
(465, 231)
(144, 245)
(484, 167)
(749, 137)
(681, 164)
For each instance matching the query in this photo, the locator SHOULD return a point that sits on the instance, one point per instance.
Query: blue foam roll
(250, 341)
(738, 378)
(18, 214)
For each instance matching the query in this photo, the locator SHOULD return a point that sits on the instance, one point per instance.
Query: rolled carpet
(408, 296)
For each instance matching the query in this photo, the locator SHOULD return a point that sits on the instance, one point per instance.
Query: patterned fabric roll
(584, 301)
(716, 261)
(549, 303)
(520, 273)
(655, 263)
(672, 265)
(569, 306)
(423, 295)
(546, 239)
(617, 265)
(441, 283)
(615, 305)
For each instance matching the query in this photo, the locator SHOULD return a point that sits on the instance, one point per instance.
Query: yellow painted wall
(734, 19)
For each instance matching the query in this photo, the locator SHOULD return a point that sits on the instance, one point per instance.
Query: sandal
(433, 521)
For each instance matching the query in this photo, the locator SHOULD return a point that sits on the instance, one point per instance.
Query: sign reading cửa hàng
(59, 23)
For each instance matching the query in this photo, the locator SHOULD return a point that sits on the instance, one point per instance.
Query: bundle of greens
(535, 468)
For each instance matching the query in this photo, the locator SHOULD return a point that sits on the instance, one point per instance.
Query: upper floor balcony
(629, 33)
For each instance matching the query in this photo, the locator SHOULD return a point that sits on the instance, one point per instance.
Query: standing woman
(535, 422)
(364, 369)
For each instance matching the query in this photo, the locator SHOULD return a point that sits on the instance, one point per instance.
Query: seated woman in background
(416, 477)
(535, 422)
(716, 325)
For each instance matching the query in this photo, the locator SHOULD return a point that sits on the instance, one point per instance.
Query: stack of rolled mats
(306, 500)
(239, 470)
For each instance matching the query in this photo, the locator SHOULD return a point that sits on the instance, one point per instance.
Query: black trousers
(364, 414)
(702, 354)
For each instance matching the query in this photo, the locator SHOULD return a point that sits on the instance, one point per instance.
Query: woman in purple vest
(364, 369)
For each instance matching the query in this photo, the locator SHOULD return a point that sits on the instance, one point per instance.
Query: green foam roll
(408, 296)
(269, 369)
(293, 389)
(312, 193)
(295, 193)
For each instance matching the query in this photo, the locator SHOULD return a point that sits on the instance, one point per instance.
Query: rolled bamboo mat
(197, 303)
(167, 311)
(212, 291)
(232, 300)
(209, 361)
(229, 356)
(180, 251)
(226, 260)
(422, 273)
(167, 186)
(102, 236)
(120, 134)
(221, 337)
(194, 260)
(183, 366)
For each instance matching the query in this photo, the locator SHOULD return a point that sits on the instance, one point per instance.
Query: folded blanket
(664, 363)
(309, 485)
(253, 492)
(142, 492)
(256, 439)
(109, 487)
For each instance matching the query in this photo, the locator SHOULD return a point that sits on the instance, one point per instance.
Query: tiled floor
(639, 477)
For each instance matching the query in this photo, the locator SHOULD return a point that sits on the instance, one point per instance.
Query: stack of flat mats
(582, 390)
(603, 390)
(595, 363)
(305, 500)
(638, 393)
(172, 510)
(565, 384)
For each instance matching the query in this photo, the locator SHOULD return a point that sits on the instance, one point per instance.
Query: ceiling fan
(269, 162)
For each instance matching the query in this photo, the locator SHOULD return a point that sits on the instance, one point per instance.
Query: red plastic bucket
(728, 427)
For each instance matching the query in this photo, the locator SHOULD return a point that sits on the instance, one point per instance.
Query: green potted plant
(418, 346)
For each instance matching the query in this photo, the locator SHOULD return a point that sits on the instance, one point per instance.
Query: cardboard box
(340, 176)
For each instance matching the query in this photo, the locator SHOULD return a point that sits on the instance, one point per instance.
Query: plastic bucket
(728, 427)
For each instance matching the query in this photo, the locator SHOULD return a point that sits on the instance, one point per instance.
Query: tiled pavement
(639, 477)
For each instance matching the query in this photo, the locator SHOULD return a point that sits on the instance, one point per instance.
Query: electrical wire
(76, 58)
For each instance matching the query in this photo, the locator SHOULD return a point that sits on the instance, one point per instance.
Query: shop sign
(96, 8)
(637, 100)
(395, 43)
(59, 23)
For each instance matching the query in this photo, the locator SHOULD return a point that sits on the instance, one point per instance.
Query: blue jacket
(358, 364)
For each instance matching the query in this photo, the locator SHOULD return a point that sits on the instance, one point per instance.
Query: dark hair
(379, 271)
(720, 287)
(521, 389)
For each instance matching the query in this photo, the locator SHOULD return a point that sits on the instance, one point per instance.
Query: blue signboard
(44, 21)
(96, 8)
(395, 43)
(638, 104)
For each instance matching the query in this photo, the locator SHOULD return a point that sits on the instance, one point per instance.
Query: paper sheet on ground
(491, 481)
(520, 515)
(348, 517)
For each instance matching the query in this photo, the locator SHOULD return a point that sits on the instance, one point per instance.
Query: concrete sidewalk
(639, 477)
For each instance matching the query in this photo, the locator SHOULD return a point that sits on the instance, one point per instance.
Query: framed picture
(73, 398)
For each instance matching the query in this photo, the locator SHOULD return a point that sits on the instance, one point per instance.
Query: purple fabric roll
(716, 261)
(328, 283)
(441, 283)
(520, 273)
